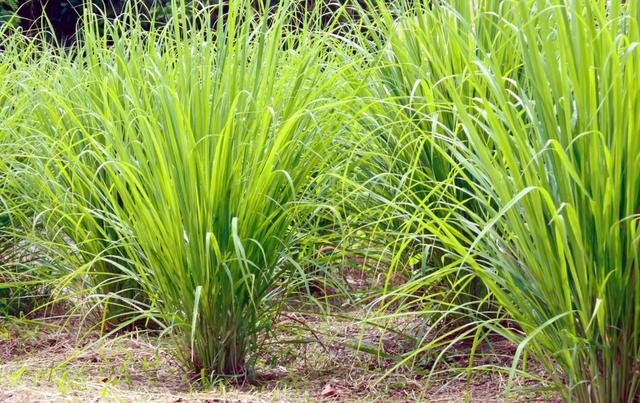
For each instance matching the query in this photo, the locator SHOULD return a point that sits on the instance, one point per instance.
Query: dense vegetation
(198, 175)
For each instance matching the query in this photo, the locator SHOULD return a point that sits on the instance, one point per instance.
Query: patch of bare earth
(57, 363)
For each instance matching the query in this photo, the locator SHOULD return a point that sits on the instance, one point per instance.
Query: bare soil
(53, 361)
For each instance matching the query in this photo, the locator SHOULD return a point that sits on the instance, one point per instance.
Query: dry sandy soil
(54, 362)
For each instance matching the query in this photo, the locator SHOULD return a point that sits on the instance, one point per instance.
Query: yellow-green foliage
(488, 149)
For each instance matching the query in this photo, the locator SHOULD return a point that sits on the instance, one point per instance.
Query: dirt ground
(51, 361)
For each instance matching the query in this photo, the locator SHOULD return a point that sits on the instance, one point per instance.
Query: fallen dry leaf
(330, 390)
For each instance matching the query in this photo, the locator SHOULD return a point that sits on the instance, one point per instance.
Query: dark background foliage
(7, 10)
(64, 15)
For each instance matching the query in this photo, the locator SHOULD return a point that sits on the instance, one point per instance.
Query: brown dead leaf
(330, 390)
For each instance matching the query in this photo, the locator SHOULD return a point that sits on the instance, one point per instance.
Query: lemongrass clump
(553, 157)
(527, 130)
(179, 153)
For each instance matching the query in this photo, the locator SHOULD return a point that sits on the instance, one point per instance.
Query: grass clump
(504, 143)
(564, 140)
(12, 213)
(549, 156)
(177, 156)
